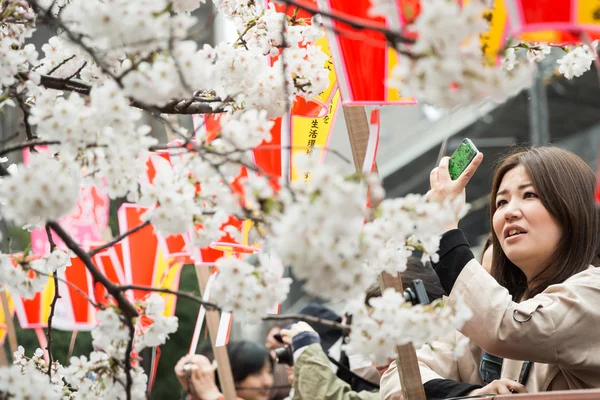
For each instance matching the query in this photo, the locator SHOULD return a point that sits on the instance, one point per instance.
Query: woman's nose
(512, 210)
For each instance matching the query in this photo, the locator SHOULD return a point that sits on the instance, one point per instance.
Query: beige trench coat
(557, 330)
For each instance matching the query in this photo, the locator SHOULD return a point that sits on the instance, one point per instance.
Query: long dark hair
(565, 185)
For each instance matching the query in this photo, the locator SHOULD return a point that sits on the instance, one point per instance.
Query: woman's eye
(500, 203)
(530, 195)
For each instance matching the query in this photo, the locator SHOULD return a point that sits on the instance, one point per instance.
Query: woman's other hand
(500, 386)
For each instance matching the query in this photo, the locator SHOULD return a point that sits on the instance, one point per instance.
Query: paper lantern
(556, 21)
(362, 60)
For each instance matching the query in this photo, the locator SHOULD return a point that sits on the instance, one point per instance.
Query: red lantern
(556, 21)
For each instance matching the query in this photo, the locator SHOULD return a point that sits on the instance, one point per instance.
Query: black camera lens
(284, 355)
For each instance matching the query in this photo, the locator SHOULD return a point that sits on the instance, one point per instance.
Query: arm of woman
(553, 327)
(439, 369)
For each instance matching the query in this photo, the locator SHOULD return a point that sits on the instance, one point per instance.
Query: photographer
(313, 376)
(251, 366)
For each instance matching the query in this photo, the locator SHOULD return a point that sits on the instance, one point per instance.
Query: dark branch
(125, 306)
(117, 239)
(32, 143)
(353, 22)
(74, 287)
(63, 62)
(186, 295)
(187, 107)
(309, 319)
(52, 307)
(128, 351)
(77, 72)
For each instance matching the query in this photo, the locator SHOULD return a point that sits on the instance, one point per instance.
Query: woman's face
(256, 386)
(527, 233)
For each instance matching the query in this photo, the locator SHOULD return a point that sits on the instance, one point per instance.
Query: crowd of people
(534, 294)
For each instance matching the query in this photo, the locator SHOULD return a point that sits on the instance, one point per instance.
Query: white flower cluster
(177, 206)
(27, 196)
(319, 232)
(574, 63)
(37, 362)
(161, 326)
(29, 384)
(101, 378)
(181, 6)
(447, 67)
(100, 134)
(265, 32)
(64, 60)
(390, 322)
(111, 335)
(17, 275)
(122, 25)
(578, 60)
(15, 55)
(18, 280)
(404, 225)
(248, 290)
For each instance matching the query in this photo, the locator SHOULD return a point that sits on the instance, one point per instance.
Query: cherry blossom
(390, 322)
(250, 288)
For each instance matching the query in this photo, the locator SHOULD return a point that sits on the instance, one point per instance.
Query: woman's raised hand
(443, 188)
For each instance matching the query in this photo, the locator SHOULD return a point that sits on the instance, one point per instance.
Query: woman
(251, 367)
(539, 313)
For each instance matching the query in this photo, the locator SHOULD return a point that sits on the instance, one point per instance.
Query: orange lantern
(363, 61)
(556, 21)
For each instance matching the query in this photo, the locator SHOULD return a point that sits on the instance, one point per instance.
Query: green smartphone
(462, 157)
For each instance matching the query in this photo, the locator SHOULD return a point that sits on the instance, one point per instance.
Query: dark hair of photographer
(246, 358)
(415, 269)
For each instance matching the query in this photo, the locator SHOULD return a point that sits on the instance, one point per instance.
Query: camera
(285, 354)
(416, 293)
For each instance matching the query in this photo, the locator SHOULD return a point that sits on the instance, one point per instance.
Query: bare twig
(185, 295)
(72, 286)
(363, 24)
(309, 319)
(77, 72)
(33, 143)
(63, 62)
(117, 239)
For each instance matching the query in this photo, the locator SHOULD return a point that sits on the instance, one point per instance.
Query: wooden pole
(10, 325)
(212, 323)
(212, 316)
(408, 366)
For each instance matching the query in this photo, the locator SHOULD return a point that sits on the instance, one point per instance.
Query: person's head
(545, 223)
(486, 254)
(251, 367)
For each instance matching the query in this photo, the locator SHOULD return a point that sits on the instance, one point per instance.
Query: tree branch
(128, 351)
(185, 295)
(117, 239)
(178, 106)
(52, 307)
(63, 62)
(72, 286)
(308, 319)
(32, 143)
(353, 22)
(128, 309)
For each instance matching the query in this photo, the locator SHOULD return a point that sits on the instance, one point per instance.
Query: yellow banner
(310, 133)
